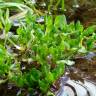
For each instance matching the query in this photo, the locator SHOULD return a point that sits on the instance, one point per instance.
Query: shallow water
(80, 79)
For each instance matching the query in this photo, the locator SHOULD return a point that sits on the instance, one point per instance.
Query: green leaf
(1, 26)
(49, 24)
(50, 93)
(11, 4)
(35, 74)
(71, 27)
(45, 69)
(2, 52)
(50, 77)
(59, 70)
(43, 85)
(90, 43)
(60, 22)
(79, 26)
(7, 22)
(90, 30)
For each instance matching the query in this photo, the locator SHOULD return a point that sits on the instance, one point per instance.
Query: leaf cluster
(36, 55)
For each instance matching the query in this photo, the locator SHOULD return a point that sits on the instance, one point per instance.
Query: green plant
(38, 52)
(58, 3)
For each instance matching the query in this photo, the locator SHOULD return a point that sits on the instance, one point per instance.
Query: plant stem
(49, 7)
(62, 4)
(58, 2)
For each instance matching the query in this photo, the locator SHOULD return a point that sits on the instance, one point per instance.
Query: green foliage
(45, 48)
(56, 4)
(5, 20)
(4, 61)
